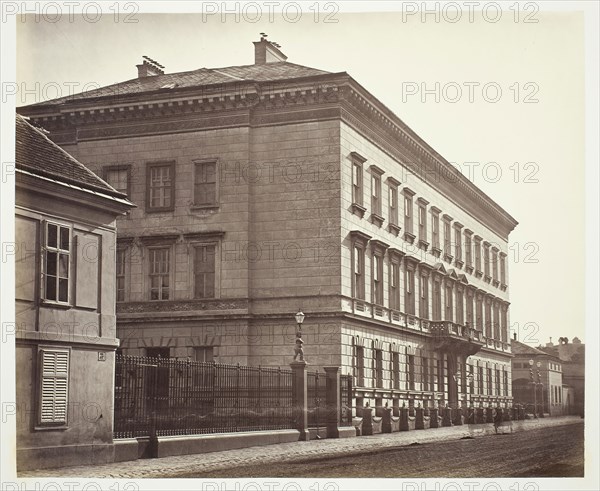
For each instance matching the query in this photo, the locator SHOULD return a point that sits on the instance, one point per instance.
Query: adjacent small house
(65, 229)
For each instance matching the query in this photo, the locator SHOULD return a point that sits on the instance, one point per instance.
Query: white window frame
(57, 250)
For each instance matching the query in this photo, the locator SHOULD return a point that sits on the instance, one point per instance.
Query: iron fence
(346, 400)
(164, 396)
(316, 385)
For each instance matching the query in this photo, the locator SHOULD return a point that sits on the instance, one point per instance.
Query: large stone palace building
(274, 187)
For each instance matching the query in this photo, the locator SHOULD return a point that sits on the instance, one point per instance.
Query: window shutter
(54, 386)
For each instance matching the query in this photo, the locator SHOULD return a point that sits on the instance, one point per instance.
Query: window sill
(469, 269)
(50, 428)
(394, 229)
(478, 274)
(56, 305)
(448, 258)
(410, 238)
(358, 210)
(423, 244)
(496, 283)
(459, 264)
(204, 207)
(377, 219)
(436, 251)
(160, 210)
(487, 278)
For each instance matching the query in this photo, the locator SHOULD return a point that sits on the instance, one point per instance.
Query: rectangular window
(486, 259)
(376, 194)
(480, 380)
(468, 250)
(460, 318)
(494, 265)
(440, 376)
(57, 260)
(377, 279)
(422, 223)
(118, 178)
(394, 285)
(488, 320)
(54, 386)
(396, 369)
(204, 354)
(409, 287)
(424, 297)
(120, 270)
(447, 239)
(205, 184)
(357, 183)
(359, 279)
(408, 214)
(160, 273)
(502, 269)
(360, 366)
(437, 301)
(477, 255)
(479, 313)
(411, 372)
(393, 195)
(505, 382)
(378, 368)
(489, 382)
(448, 314)
(204, 271)
(498, 386)
(158, 352)
(160, 186)
(435, 230)
(425, 373)
(457, 244)
(470, 309)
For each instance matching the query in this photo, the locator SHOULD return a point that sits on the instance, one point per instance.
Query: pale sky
(533, 133)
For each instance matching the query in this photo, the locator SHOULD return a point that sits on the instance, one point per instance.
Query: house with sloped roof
(65, 229)
(268, 188)
(537, 380)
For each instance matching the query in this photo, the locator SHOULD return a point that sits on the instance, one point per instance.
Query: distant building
(533, 384)
(65, 229)
(273, 187)
(572, 356)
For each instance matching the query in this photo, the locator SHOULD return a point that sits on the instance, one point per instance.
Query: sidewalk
(156, 468)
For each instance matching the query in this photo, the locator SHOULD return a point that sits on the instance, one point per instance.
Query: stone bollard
(479, 415)
(458, 417)
(489, 414)
(367, 424)
(300, 398)
(419, 421)
(386, 421)
(433, 415)
(471, 415)
(404, 419)
(447, 416)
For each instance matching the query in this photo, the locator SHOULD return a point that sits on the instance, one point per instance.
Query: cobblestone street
(557, 442)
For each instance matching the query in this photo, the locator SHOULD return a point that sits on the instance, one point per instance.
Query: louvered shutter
(54, 386)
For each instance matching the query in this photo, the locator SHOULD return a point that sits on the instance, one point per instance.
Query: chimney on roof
(515, 335)
(550, 344)
(267, 51)
(149, 68)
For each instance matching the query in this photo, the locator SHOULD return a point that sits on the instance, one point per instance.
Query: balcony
(450, 336)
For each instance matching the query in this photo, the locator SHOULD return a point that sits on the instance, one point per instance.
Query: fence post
(333, 401)
(300, 398)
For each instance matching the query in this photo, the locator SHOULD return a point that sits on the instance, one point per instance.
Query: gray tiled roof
(269, 72)
(39, 155)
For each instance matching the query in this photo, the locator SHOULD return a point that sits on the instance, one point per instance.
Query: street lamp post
(534, 386)
(298, 350)
(539, 382)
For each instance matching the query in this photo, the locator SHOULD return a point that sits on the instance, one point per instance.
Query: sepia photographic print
(313, 245)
